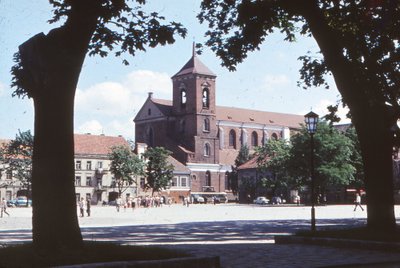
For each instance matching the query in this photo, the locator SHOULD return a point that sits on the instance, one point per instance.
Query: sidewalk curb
(192, 262)
(336, 242)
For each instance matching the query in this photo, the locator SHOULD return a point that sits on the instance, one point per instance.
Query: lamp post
(311, 120)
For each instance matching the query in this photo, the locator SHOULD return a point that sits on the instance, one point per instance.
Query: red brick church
(205, 137)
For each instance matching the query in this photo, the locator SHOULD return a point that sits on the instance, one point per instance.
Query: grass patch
(359, 233)
(25, 256)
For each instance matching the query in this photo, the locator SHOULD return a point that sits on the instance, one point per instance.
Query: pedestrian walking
(82, 207)
(118, 203)
(88, 200)
(3, 207)
(357, 202)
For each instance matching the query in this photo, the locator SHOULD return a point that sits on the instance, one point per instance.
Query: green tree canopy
(17, 157)
(124, 166)
(332, 161)
(159, 172)
(359, 45)
(272, 159)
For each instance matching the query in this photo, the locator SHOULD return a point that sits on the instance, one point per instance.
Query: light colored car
(261, 200)
(198, 199)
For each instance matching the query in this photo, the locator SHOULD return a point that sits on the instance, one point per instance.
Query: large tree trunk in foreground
(55, 222)
(51, 67)
(376, 147)
(369, 116)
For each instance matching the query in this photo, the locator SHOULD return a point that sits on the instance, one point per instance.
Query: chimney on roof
(88, 133)
(150, 95)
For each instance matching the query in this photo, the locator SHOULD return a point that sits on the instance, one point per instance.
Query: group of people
(137, 202)
(84, 204)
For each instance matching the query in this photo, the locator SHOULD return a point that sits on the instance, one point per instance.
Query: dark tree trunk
(369, 116)
(55, 223)
(376, 147)
(51, 67)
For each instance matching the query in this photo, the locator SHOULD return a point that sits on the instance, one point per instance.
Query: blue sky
(110, 94)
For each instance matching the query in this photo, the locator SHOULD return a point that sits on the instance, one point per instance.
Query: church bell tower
(194, 110)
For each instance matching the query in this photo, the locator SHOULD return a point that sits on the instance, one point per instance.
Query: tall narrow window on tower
(207, 149)
(206, 98)
(183, 97)
(206, 127)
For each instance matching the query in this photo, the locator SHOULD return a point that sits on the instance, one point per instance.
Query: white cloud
(272, 82)
(122, 98)
(109, 107)
(92, 127)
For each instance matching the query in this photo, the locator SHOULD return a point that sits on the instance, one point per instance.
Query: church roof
(194, 66)
(165, 106)
(241, 115)
(260, 117)
(96, 144)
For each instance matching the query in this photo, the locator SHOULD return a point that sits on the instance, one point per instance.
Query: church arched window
(254, 139)
(274, 136)
(207, 149)
(206, 98)
(208, 178)
(206, 126)
(232, 139)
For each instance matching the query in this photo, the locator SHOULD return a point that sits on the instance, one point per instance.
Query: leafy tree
(47, 70)
(332, 158)
(273, 157)
(17, 157)
(242, 157)
(356, 159)
(159, 172)
(124, 166)
(359, 45)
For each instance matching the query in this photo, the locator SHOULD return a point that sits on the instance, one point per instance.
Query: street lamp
(311, 120)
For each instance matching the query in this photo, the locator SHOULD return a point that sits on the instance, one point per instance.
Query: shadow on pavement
(192, 232)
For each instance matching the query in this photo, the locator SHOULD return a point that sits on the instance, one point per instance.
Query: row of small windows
(78, 165)
(88, 182)
(254, 138)
(232, 141)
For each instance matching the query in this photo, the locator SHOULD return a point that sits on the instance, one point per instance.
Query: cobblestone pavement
(242, 235)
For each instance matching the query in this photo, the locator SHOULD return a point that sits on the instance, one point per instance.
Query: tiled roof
(96, 144)
(228, 156)
(194, 66)
(178, 166)
(165, 106)
(244, 115)
(261, 117)
(252, 163)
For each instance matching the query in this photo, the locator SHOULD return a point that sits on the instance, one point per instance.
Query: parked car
(198, 199)
(276, 200)
(21, 201)
(261, 200)
(11, 203)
